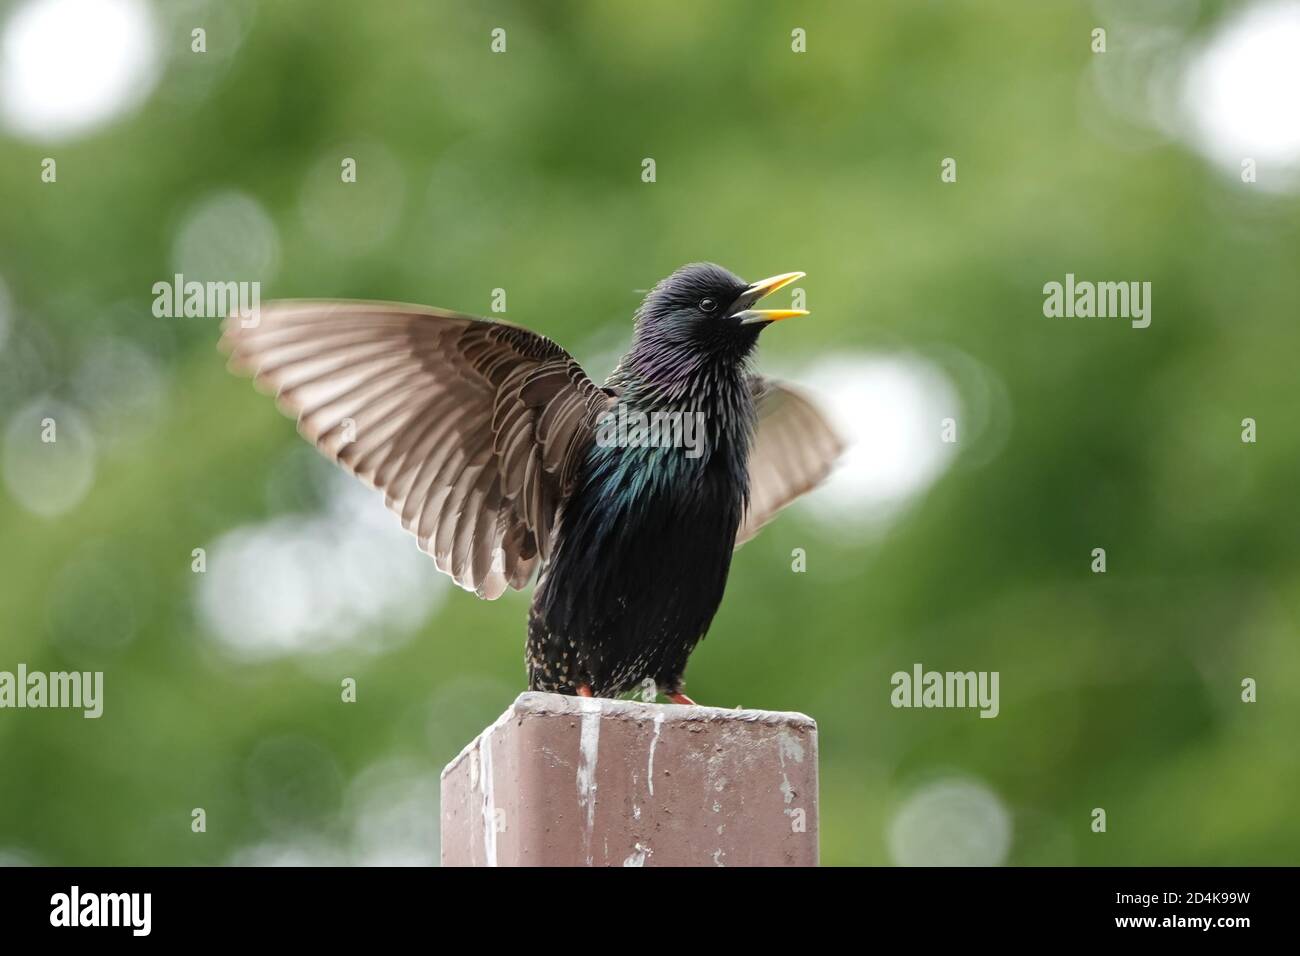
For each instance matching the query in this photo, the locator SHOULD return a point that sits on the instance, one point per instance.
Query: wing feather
(794, 450)
(471, 429)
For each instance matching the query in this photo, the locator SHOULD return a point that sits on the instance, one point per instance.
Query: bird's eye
(708, 305)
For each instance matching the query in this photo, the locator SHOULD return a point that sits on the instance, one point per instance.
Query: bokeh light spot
(67, 66)
(348, 576)
(227, 237)
(48, 478)
(952, 822)
(889, 409)
(1242, 89)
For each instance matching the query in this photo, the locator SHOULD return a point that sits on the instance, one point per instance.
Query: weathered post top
(572, 781)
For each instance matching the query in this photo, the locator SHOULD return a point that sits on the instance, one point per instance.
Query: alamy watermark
(130, 910)
(922, 688)
(208, 300)
(82, 690)
(625, 427)
(1103, 300)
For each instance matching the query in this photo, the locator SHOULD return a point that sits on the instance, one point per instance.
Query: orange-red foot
(681, 699)
(584, 691)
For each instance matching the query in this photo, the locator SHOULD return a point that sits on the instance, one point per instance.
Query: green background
(522, 171)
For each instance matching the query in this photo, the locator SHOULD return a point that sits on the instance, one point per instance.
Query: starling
(504, 459)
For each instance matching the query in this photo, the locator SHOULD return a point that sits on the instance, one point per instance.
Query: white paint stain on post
(489, 800)
(588, 751)
(790, 747)
(787, 745)
(638, 856)
(654, 742)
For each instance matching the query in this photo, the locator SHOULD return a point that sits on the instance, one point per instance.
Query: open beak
(762, 289)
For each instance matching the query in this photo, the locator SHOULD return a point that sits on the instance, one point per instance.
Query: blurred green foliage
(522, 171)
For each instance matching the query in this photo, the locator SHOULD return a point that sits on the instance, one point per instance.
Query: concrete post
(568, 781)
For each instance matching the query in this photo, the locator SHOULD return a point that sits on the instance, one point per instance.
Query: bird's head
(704, 311)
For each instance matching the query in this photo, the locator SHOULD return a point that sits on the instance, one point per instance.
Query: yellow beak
(762, 289)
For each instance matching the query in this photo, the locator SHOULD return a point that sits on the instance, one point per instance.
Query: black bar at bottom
(332, 905)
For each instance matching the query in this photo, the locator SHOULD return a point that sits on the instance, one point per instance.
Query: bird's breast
(642, 554)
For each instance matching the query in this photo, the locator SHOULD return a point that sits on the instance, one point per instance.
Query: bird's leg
(584, 690)
(680, 698)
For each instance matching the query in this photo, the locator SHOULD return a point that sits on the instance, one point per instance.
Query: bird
(508, 462)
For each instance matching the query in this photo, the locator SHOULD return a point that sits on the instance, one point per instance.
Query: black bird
(503, 457)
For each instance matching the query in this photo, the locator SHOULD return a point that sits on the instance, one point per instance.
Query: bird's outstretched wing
(472, 429)
(794, 450)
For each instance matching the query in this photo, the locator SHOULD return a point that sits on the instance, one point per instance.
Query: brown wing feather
(794, 450)
(471, 428)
